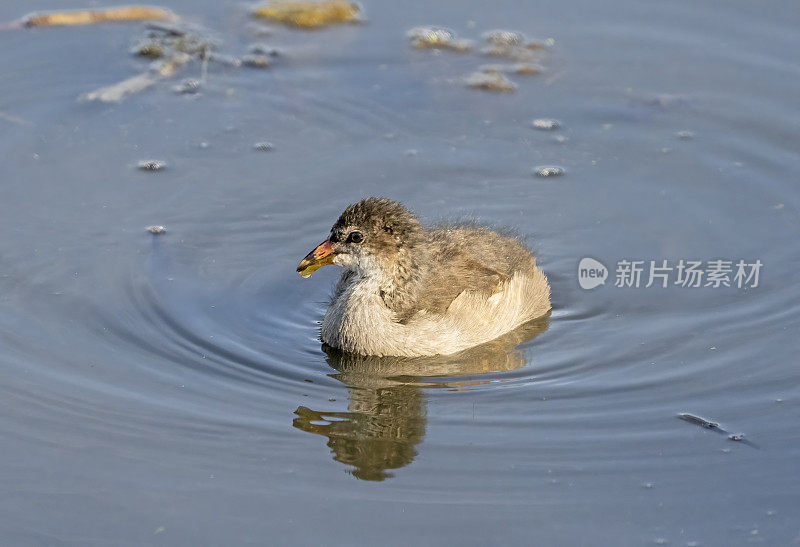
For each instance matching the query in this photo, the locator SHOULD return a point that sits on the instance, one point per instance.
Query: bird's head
(372, 237)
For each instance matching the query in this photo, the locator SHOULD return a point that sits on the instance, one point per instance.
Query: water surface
(173, 390)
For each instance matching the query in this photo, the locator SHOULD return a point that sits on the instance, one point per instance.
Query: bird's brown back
(466, 258)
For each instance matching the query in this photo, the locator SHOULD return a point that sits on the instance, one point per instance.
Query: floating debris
(156, 230)
(546, 124)
(520, 69)
(150, 48)
(152, 165)
(174, 46)
(89, 17)
(263, 146)
(437, 38)
(187, 86)
(228, 60)
(527, 69)
(159, 69)
(490, 81)
(256, 61)
(192, 41)
(548, 171)
(697, 420)
(511, 45)
(504, 37)
(309, 15)
(264, 49)
(167, 28)
(685, 135)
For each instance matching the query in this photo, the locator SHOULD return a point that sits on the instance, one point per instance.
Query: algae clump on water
(306, 14)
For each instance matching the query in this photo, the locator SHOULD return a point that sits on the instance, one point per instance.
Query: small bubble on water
(152, 165)
(156, 229)
(263, 146)
(548, 171)
(411, 152)
(561, 139)
(685, 135)
(648, 485)
(545, 124)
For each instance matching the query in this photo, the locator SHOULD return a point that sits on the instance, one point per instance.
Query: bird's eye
(355, 237)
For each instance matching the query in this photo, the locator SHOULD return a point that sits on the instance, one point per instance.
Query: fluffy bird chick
(412, 291)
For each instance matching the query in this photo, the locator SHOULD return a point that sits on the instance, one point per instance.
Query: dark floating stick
(697, 420)
(708, 424)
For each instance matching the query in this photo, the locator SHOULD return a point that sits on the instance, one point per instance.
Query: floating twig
(697, 420)
(90, 17)
(158, 70)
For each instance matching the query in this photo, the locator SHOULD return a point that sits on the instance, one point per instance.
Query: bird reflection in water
(386, 412)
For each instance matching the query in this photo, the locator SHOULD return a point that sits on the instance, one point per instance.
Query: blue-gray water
(172, 390)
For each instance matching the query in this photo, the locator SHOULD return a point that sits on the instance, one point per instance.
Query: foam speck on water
(152, 165)
(546, 124)
(545, 171)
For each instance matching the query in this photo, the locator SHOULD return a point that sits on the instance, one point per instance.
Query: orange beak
(316, 259)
